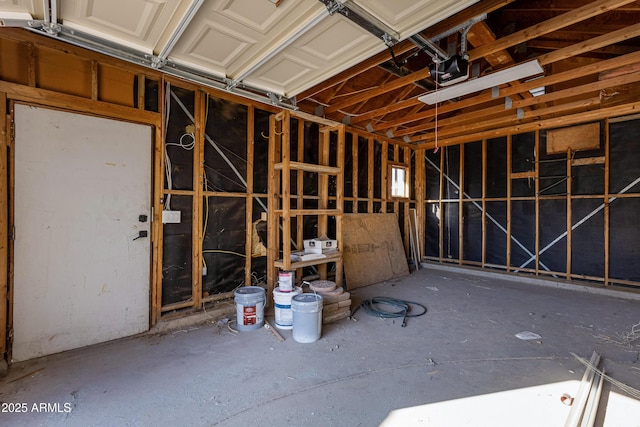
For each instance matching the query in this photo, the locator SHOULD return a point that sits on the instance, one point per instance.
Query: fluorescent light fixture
(517, 72)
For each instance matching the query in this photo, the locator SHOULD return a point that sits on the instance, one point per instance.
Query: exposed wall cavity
(530, 208)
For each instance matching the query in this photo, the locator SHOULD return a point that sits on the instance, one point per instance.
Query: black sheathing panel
(624, 225)
(377, 171)
(311, 155)
(496, 245)
(523, 147)
(150, 95)
(348, 206)
(432, 230)
(523, 229)
(472, 232)
(624, 165)
(389, 207)
(261, 151)
(363, 172)
(523, 187)
(624, 237)
(259, 271)
(333, 161)
(227, 127)
(587, 239)
(552, 170)
(348, 165)
(452, 171)
(587, 179)
(451, 210)
(224, 245)
(293, 156)
(497, 167)
(473, 170)
(412, 176)
(180, 157)
(432, 165)
(450, 240)
(553, 223)
(177, 254)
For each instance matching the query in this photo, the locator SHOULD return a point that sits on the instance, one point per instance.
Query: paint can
(250, 302)
(285, 280)
(307, 317)
(282, 304)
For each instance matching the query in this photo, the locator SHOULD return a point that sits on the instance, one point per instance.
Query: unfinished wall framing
(218, 163)
(532, 208)
(215, 176)
(483, 203)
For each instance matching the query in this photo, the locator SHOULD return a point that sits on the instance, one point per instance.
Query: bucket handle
(304, 282)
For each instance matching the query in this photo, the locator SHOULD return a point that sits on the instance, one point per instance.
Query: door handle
(142, 233)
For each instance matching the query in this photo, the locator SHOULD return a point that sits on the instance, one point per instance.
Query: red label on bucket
(249, 315)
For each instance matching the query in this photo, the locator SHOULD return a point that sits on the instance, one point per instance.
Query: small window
(399, 181)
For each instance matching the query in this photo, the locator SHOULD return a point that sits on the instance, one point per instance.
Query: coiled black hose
(369, 306)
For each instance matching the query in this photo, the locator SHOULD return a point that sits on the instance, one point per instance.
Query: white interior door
(81, 183)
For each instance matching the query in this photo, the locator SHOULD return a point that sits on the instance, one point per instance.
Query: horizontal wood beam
(83, 105)
(591, 44)
(529, 102)
(586, 70)
(588, 116)
(566, 19)
(600, 160)
(576, 48)
(387, 87)
(513, 118)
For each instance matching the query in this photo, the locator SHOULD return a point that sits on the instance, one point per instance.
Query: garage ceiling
(365, 62)
(283, 47)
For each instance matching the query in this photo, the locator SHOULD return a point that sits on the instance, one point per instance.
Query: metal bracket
(364, 19)
(157, 62)
(333, 6)
(51, 28)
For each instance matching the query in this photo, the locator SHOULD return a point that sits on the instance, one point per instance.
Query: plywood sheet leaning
(373, 249)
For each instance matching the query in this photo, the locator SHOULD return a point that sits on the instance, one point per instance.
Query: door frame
(7, 188)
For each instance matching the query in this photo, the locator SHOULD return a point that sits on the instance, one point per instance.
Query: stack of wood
(336, 302)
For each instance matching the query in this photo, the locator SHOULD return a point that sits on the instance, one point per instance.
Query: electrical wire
(181, 143)
(222, 251)
(370, 306)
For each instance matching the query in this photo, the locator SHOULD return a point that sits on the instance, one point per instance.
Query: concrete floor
(460, 364)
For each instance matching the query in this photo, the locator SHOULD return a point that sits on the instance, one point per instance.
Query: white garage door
(80, 275)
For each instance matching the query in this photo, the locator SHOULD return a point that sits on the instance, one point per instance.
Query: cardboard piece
(372, 250)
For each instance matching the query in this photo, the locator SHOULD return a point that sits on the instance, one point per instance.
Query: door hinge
(12, 233)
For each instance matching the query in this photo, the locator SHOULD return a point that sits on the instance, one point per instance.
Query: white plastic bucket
(307, 317)
(285, 281)
(250, 302)
(282, 304)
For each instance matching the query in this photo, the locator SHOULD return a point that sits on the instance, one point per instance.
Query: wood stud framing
(569, 198)
(90, 103)
(280, 198)
(4, 221)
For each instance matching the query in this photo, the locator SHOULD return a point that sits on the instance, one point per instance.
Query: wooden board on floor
(373, 250)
